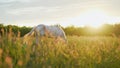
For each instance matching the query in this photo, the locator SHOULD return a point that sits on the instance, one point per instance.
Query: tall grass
(79, 52)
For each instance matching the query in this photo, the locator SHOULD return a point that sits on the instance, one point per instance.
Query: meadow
(79, 52)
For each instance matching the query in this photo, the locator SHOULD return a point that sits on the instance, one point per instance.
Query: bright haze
(63, 12)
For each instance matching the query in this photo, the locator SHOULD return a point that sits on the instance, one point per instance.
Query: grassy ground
(80, 52)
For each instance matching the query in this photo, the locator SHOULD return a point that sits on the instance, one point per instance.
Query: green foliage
(71, 30)
(23, 30)
(116, 29)
(105, 30)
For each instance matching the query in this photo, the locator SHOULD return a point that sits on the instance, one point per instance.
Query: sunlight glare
(94, 18)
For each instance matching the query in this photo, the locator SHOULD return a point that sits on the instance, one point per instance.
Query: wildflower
(1, 51)
(20, 63)
(8, 60)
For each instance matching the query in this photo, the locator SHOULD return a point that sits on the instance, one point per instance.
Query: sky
(63, 12)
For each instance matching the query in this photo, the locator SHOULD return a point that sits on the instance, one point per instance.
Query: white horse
(43, 30)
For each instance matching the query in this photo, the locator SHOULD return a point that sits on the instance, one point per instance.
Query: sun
(94, 18)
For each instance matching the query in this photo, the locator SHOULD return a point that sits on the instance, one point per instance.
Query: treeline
(104, 30)
(15, 29)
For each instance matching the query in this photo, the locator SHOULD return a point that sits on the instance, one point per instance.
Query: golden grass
(79, 52)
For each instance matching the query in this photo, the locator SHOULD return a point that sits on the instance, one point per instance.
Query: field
(79, 52)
